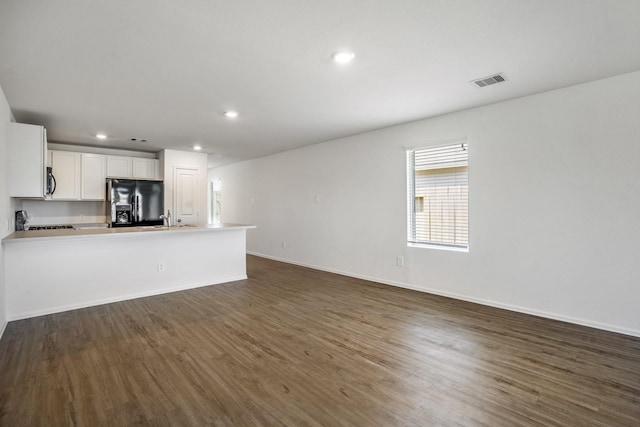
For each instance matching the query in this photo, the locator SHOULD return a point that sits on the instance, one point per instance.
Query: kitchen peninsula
(49, 271)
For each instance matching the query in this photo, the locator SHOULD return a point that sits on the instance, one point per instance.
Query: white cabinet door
(186, 195)
(94, 174)
(144, 168)
(119, 167)
(66, 170)
(26, 156)
(157, 174)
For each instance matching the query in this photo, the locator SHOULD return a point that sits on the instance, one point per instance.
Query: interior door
(186, 195)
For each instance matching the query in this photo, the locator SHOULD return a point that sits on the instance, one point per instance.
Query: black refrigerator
(134, 202)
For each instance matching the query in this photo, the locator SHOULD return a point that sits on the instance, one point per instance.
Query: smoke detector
(491, 80)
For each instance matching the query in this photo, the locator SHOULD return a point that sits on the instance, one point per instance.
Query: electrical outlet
(317, 199)
(284, 244)
(400, 261)
(162, 266)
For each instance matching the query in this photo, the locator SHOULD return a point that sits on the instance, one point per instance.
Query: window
(438, 195)
(215, 196)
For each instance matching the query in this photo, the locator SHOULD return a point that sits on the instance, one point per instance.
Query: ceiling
(166, 71)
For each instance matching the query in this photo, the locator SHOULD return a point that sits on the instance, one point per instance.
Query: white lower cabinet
(66, 171)
(94, 174)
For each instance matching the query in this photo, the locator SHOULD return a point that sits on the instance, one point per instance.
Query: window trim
(411, 195)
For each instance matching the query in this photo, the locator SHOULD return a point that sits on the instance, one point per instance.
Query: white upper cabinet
(94, 174)
(78, 176)
(132, 167)
(145, 168)
(119, 167)
(66, 171)
(26, 157)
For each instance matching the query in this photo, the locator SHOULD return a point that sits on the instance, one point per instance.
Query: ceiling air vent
(491, 80)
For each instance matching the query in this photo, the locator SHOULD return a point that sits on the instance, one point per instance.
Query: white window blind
(438, 195)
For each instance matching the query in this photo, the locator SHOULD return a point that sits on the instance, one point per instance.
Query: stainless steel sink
(153, 228)
(90, 226)
(164, 227)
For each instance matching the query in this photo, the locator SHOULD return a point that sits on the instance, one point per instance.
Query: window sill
(439, 247)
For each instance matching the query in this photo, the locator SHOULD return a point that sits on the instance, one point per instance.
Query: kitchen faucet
(166, 218)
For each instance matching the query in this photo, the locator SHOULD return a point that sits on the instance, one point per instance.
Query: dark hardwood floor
(296, 347)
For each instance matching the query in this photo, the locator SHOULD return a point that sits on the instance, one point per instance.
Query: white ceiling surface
(166, 70)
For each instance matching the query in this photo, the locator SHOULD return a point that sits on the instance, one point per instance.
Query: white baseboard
(92, 303)
(490, 303)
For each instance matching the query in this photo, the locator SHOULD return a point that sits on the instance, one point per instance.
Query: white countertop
(52, 235)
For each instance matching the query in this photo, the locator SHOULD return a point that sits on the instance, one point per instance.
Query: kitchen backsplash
(54, 212)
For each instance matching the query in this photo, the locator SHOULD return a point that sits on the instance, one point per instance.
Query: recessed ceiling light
(101, 136)
(231, 114)
(197, 147)
(343, 56)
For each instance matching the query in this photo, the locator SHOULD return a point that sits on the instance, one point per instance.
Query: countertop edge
(21, 237)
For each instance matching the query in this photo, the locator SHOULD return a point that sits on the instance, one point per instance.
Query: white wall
(554, 203)
(6, 203)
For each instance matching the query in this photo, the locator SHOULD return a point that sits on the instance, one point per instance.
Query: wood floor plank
(292, 346)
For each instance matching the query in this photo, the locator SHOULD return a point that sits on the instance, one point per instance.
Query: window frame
(411, 197)
(215, 202)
